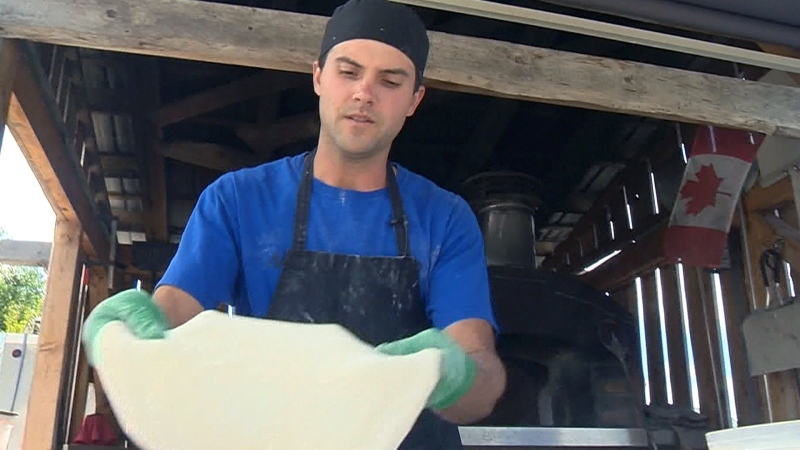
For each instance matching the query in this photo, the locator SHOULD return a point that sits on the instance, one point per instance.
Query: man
(339, 235)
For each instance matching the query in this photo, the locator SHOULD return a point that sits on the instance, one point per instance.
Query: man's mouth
(359, 118)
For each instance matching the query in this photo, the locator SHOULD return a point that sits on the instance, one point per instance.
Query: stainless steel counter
(534, 437)
(537, 437)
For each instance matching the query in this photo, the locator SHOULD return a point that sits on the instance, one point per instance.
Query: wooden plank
(284, 131)
(148, 150)
(635, 259)
(613, 199)
(55, 166)
(781, 394)
(237, 91)
(658, 383)
(736, 309)
(782, 51)
(700, 311)
(97, 292)
(278, 40)
(768, 198)
(212, 156)
(25, 253)
(755, 234)
(47, 387)
(679, 373)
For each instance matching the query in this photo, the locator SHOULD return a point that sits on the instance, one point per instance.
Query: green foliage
(21, 296)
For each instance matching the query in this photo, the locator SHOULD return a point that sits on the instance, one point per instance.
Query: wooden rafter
(151, 158)
(208, 155)
(284, 131)
(41, 140)
(290, 41)
(237, 91)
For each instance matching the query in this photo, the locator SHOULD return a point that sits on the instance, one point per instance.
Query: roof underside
(572, 153)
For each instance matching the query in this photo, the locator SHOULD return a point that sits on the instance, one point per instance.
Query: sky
(25, 213)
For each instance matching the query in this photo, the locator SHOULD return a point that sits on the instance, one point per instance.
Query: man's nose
(365, 91)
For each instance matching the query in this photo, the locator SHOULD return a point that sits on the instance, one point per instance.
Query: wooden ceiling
(165, 128)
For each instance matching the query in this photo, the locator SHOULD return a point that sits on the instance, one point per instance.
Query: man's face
(366, 91)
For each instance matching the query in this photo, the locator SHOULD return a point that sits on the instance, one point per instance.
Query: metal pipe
(596, 28)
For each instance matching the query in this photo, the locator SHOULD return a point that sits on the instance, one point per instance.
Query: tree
(21, 296)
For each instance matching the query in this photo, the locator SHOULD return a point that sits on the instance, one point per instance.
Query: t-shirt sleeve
(206, 264)
(459, 284)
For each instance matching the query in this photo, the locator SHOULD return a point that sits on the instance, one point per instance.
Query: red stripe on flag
(695, 246)
(726, 142)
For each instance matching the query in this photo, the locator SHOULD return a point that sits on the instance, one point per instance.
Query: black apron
(375, 298)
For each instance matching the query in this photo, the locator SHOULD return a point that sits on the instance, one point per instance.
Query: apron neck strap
(399, 219)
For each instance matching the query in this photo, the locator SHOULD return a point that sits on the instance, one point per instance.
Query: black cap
(391, 23)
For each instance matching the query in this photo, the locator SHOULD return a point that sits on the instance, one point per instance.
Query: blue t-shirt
(242, 225)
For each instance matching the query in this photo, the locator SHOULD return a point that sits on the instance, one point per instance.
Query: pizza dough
(245, 383)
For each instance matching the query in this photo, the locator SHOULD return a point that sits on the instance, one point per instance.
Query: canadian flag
(712, 182)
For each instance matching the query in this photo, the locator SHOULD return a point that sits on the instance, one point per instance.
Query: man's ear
(316, 74)
(417, 99)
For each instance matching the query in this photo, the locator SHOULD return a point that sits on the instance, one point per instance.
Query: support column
(8, 66)
(98, 291)
(53, 364)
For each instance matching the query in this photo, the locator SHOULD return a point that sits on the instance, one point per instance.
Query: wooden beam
(41, 140)
(25, 253)
(115, 165)
(284, 131)
(152, 160)
(782, 51)
(212, 156)
(260, 84)
(278, 40)
(780, 391)
(97, 292)
(610, 31)
(9, 58)
(643, 256)
(761, 198)
(45, 404)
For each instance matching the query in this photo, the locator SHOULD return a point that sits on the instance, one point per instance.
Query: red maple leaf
(703, 192)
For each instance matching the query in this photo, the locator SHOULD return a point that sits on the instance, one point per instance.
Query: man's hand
(135, 308)
(458, 370)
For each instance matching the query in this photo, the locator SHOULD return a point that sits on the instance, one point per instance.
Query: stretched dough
(244, 383)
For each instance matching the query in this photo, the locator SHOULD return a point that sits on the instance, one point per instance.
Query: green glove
(135, 308)
(458, 370)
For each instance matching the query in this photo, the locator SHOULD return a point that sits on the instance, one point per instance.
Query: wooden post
(781, 396)
(98, 291)
(49, 380)
(8, 67)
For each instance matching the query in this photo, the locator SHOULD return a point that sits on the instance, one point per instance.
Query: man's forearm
(480, 400)
(177, 305)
